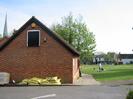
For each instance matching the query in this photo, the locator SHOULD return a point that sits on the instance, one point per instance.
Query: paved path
(118, 82)
(65, 92)
(89, 80)
(86, 80)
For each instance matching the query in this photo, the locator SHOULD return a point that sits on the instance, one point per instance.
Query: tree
(76, 33)
(110, 57)
(0, 36)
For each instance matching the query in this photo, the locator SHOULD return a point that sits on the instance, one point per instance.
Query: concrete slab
(86, 80)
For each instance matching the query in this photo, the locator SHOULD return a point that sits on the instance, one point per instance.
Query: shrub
(130, 95)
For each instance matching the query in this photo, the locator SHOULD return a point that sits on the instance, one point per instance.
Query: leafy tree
(0, 36)
(76, 33)
(110, 57)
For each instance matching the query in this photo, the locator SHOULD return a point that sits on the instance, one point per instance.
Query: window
(33, 38)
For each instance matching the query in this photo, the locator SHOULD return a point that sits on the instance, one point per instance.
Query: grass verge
(110, 73)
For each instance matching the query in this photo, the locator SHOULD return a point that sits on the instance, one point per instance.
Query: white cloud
(112, 26)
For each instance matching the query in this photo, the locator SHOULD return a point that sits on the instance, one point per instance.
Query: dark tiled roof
(126, 56)
(50, 33)
(3, 40)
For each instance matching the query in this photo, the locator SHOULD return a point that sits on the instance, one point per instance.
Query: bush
(130, 95)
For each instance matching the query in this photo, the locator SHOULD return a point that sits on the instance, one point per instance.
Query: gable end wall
(50, 59)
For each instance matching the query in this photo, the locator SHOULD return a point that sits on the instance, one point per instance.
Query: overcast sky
(111, 21)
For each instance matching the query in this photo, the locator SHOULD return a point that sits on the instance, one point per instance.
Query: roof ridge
(50, 32)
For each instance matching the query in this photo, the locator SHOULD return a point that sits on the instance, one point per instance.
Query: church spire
(5, 32)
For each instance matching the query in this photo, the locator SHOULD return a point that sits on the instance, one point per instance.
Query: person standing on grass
(100, 67)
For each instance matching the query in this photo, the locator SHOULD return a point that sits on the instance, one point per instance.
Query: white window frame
(31, 31)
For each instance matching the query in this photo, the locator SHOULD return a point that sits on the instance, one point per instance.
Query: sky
(111, 21)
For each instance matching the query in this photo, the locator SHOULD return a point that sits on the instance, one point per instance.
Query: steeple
(5, 32)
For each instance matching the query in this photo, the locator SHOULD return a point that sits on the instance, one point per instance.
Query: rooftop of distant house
(126, 56)
(3, 40)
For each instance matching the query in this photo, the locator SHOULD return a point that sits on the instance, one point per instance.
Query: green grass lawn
(110, 73)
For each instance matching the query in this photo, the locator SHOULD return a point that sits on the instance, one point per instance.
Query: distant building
(5, 36)
(98, 57)
(125, 58)
(5, 31)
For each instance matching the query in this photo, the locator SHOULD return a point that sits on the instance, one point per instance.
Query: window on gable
(33, 38)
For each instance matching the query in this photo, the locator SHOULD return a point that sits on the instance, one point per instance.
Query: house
(98, 57)
(106, 58)
(125, 58)
(36, 51)
(3, 40)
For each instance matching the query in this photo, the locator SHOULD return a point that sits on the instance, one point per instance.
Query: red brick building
(36, 51)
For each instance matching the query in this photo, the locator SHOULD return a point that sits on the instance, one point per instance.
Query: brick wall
(50, 59)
